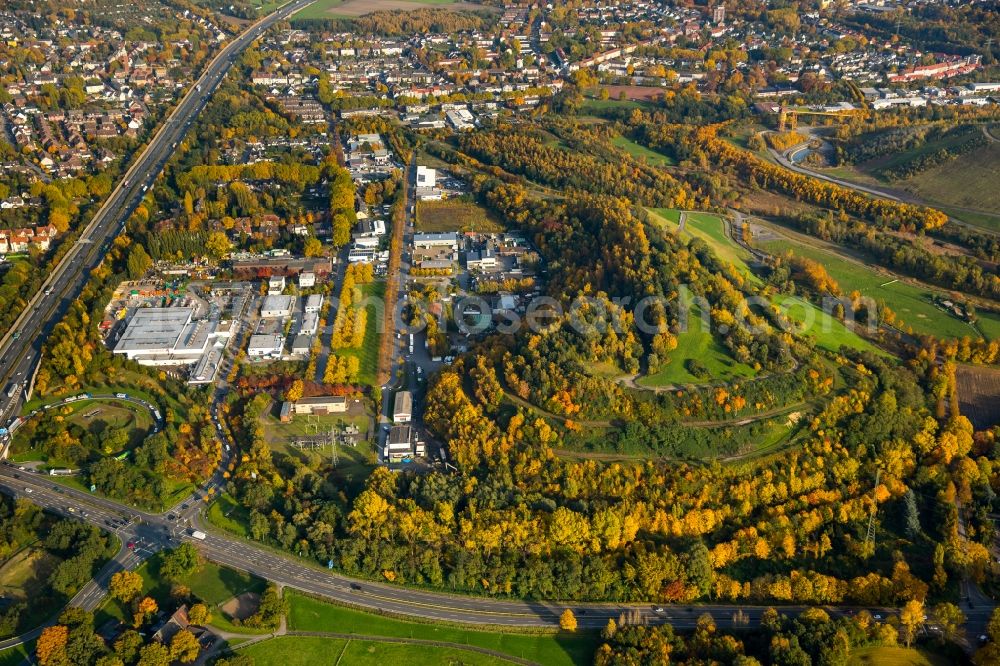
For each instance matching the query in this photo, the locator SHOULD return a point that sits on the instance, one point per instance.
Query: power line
(871, 519)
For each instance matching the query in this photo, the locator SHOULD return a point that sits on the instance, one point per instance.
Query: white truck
(198, 534)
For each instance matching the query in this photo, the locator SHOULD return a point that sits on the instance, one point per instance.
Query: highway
(153, 532)
(20, 347)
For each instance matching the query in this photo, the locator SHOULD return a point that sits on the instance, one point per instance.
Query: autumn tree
(199, 614)
(51, 646)
(125, 586)
(911, 618)
(218, 245)
(184, 647)
(138, 262)
(567, 621)
(294, 392)
(950, 618)
(312, 247)
(143, 610)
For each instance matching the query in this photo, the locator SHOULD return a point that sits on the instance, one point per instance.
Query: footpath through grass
(827, 332)
(309, 614)
(711, 229)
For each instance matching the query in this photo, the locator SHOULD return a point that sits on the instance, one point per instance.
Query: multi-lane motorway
(20, 347)
(153, 532)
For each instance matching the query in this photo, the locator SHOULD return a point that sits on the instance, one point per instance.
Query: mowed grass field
(455, 215)
(826, 331)
(309, 614)
(310, 650)
(968, 181)
(213, 584)
(697, 343)
(25, 573)
(16, 655)
(95, 416)
(367, 354)
(912, 304)
(641, 152)
(711, 229)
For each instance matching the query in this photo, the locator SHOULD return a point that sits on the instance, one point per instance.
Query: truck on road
(198, 534)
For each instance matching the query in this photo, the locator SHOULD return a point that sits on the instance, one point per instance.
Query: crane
(788, 118)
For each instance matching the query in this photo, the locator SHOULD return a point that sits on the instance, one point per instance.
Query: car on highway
(28, 490)
(131, 545)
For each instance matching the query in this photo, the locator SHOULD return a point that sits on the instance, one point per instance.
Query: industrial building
(401, 444)
(314, 303)
(277, 306)
(402, 409)
(310, 324)
(321, 404)
(445, 239)
(276, 284)
(167, 336)
(265, 346)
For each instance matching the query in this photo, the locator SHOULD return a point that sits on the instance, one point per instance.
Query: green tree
(138, 262)
(127, 646)
(154, 654)
(180, 562)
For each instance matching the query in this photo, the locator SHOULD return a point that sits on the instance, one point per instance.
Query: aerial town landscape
(490, 332)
